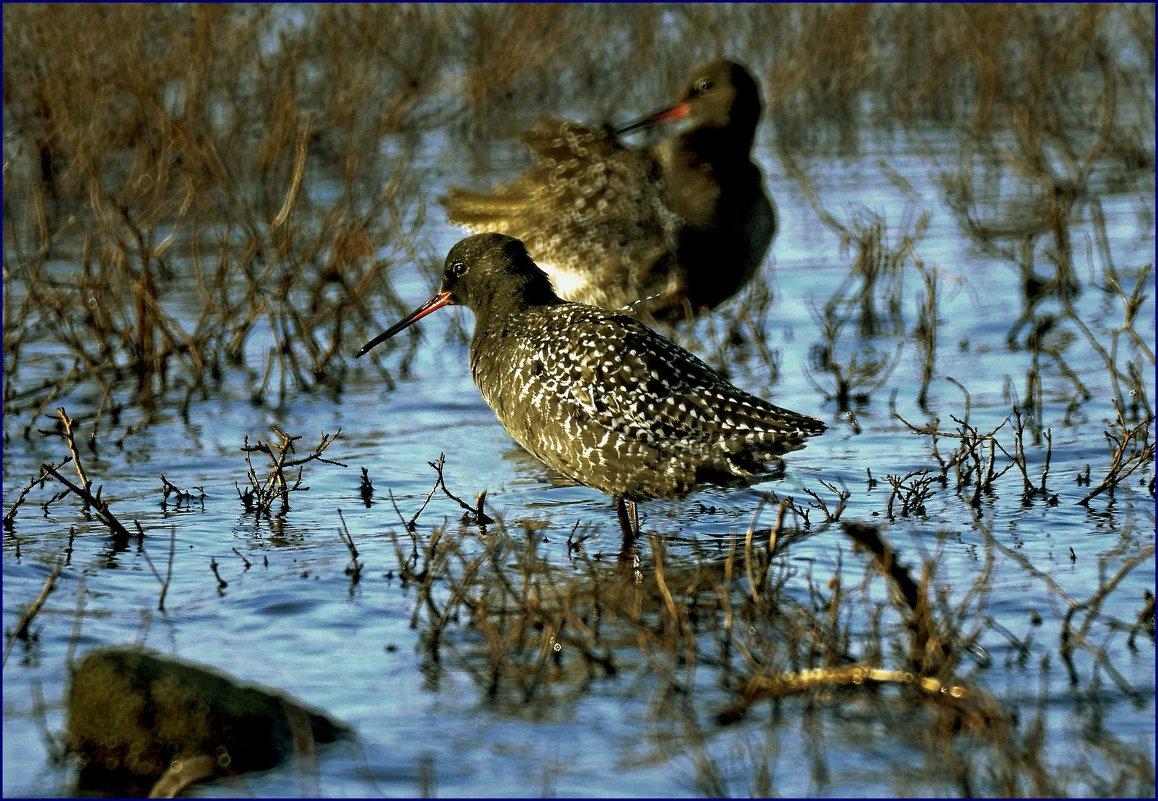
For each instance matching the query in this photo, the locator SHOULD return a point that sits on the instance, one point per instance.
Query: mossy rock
(137, 717)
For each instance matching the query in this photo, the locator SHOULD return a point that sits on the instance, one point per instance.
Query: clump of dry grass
(263, 492)
(217, 192)
(535, 635)
(1131, 447)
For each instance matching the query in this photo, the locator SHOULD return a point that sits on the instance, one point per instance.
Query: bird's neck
(510, 301)
(721, 148)
(700, 174)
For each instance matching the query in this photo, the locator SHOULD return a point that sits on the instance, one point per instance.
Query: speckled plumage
(600, 397)
(670, 230)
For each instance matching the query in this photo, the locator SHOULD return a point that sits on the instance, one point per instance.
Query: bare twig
(480, 517)
(10, 517)
(221, 583)
(263, 493)
(20, 631)
(354, 571)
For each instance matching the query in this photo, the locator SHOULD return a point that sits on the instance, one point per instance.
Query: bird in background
(599, 396)
(670, 231)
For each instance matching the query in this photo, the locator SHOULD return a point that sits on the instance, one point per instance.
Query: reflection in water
(533, 636)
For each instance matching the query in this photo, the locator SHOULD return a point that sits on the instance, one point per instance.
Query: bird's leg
(627, 554)
(626, 520)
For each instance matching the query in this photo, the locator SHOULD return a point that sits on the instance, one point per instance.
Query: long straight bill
(432, 305)
(667, 115)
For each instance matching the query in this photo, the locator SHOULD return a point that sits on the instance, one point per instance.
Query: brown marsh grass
(267, 151)
(891, 638)
(164, 141)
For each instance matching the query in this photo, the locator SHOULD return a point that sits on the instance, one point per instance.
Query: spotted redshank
(671, 230)
(600, 397)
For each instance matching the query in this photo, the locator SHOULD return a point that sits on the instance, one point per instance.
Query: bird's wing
(556, 141)
(588, 206)
(632, 379)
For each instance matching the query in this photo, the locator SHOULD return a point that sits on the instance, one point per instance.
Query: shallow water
(294, 619)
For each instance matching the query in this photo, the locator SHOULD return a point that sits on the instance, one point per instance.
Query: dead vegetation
(212, 207)
(192, 190)
(259, 498)
(534, 635)
(976, 470)
(262, 492)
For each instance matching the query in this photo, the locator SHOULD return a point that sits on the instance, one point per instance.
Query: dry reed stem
(354, 570)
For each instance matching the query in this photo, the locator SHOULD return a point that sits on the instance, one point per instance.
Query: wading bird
(671, 230)
(600, 397)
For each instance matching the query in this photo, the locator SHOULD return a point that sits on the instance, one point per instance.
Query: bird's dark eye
(704, 84)
(458, 269)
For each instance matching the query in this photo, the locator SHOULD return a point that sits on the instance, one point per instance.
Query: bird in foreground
(600, 397)
(671, 230)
